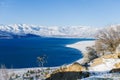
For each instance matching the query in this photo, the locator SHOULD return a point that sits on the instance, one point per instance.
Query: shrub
(89, 55)
(108, 39)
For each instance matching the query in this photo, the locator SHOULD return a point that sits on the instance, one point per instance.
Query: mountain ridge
(44, 31)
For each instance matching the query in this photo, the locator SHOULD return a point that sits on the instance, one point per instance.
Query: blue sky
(96, 13)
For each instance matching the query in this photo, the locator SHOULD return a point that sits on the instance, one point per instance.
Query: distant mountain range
(24, 30)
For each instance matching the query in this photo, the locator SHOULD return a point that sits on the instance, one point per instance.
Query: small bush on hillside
(89, 55)
(107, 40)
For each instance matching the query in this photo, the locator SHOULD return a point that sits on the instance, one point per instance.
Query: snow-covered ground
(81, 45)
(106, 65)
(100, 71)
(23, 73)
(24, 70)
(106, 76)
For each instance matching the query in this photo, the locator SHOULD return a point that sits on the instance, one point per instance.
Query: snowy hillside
(54, 31)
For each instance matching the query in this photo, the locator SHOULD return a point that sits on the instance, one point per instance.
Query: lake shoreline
(81, 46)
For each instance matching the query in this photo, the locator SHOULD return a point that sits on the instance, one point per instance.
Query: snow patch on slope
(107, 65)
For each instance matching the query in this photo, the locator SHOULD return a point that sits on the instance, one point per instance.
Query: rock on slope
(102, 65)
(105, 63)
(71, 72)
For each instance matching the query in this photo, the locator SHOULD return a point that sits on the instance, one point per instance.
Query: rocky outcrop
(99, 61)
(72, 72)
(105, 63)
(96, 62)
(75, 67)
(68, 76)
(115, 70)
(111, 56)
(117, 65)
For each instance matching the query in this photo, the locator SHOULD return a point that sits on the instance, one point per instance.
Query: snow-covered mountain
(54, 31)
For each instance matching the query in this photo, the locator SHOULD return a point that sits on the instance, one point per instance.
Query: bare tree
(108, 39)
(42, 60)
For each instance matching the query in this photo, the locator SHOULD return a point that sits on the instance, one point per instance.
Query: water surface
(23, 52)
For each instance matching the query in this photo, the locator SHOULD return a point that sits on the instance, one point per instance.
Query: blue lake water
(23, 52)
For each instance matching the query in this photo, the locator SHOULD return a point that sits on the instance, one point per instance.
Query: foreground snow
(107, 65)
(106, 76)
(26, 73)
